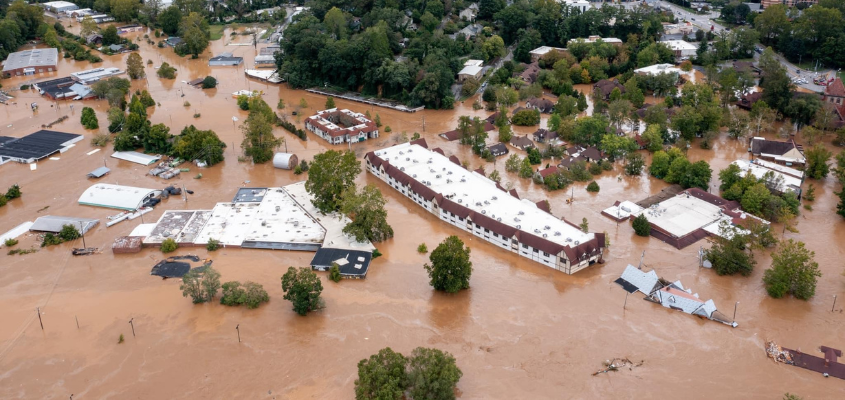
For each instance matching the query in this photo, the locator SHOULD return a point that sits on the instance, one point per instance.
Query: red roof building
(341, 126)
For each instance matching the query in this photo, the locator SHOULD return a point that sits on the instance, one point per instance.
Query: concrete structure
(31, 62)
(183, 226)
(136, 157)
(596, 38)
(225, 59)
(472, 69)
(54, 224)
(60, 6)
(36, 146)
(541, 51)
(477, 205)
(90, 76)
(117, 196)
(680, 48)
(681, 28)
(692, 215)
(341, 126)
(15, 232)
(782, 179)
(285, 160)
(785, 153)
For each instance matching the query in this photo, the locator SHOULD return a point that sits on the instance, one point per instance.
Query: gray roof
(31, 58)
(99, 172)
(53, 224)
(634, 279)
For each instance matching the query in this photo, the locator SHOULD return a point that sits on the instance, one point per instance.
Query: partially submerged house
(54, 224)
(605, 87)
(529, 74)
(542, 105)
(781, 179)
(786, 153)
(225, 59)
(498, 149)
(341, 126)
(521, 142)
(353, 264)
(669, 294)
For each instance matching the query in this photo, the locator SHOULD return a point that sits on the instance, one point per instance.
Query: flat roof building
(782, 181)
(31, 62)
(54, 224)
(692, 215)
(90, 76)
(680, 48)
(225, 59)
(476, 204)
(60, 6)
(117, 196)
(36, 146)
(596, 38)
(541, 51)
(470, 71)
(658, 69)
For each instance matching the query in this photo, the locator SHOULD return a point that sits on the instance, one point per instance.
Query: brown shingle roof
(760, 146)
(420, 142)
(544, 204)
(521, 142)
(547, 171)
(836, 88)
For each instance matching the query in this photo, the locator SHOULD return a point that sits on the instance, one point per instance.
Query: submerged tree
(433, 374)
(730, 253)
(259, 141)
(382, 376)
(302, 287)
(450, 267)
(793, 271)
(201, 284)
(366, 210)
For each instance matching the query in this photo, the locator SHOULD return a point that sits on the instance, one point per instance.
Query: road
(791, 70)
(702, 21)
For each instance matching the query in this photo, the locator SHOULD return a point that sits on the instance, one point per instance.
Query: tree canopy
(450, 267)
(302, 287)
(331, 173)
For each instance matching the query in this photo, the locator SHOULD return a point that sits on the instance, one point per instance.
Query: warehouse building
(117, 196)
(31, 62)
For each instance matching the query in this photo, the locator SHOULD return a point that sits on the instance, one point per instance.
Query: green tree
(653, 138)
(366, 210)
(493, 47)
(210, 83)
(730, 253)
(840, 207)
(334, 273)
(754, 198)
(302, 287)
(259, 141)
(526, 118)
(450, 267)
(336, 24)
(250, 293)
(793, 271)
(124, 11)
(157, 140)
(433, 374)
(329, 103)
(514, 163)
(169, 20)
(192, 286)
(169, 245)
(494, 176)
(634, 163)
(697, 174)
(14, 192)
(331, 173)
(110, 36)
(729, 176)
(166, 71)
(195, 34)
(89, 118)
(88, 26)
(641, 225)
(135, 66)
(382, 376)
(195, 144)
(617, 147)
(210, 282)
(817, 158)
(505, 134)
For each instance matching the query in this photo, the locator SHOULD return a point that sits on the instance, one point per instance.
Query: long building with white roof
(475, 204)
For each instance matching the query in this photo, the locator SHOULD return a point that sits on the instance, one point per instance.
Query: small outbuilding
(136, 157)
(225, 59)
(99, 172)
(54, 224)
(117, 196)
(285, 160)
(353, 264)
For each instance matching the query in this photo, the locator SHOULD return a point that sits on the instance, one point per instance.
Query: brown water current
(522, 331)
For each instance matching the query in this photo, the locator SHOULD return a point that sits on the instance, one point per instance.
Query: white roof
(644, 281)
(624, 210)
(679, 45)
(779, 168)
(542, 50)
(94, 75)
(593, 39)
(789, 183)
(136, 157)
(472, 70)
(15, 232)
(278, 218)
(479, 193)
(476, 63)
(657, 69)
(143, 230)
(54, 224)
(671, 297)
(682, 214)
(116, 196)
(59, 4)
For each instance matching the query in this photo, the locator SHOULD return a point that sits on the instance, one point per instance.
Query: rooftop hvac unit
(484, 211)
(557, 233)
(478, 203)
(499, 219)
(438, 176)
(449, 173)
(516, 219)
(415, 175)
(428, 162)
(519, 227)
(547, 227)
(448, 181)
(495, 198)
(545, 235)
(577, 242)
(460, 201)
(410, 150)
(401, 152)
(486, 202)
(444, 168)
(522, 213)
(401, 168)
(415, 161)
(463, 180)
(536, 231)
(625, 209)
(568, 240)
(407, 158)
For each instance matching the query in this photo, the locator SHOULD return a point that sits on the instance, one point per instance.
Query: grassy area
(216, 31)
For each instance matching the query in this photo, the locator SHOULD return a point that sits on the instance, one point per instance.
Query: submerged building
(478, 205)
(341, 126)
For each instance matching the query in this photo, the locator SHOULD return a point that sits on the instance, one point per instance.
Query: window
(486, 230)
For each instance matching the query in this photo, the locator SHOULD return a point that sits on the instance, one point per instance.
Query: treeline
(817, 32)
(20, 22)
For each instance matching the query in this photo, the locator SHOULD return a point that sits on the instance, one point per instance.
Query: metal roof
(54, 224)
(136, 157)
(350, 262)
(31, 58)
(99, 172)
(116, 196)
(37, 145)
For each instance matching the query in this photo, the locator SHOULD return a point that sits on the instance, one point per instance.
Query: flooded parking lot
(521, 331)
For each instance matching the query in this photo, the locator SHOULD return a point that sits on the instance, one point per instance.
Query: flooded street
(522, 331)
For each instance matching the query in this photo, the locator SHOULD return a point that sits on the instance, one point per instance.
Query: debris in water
(617, 363)
(45, 207)
(777, 353)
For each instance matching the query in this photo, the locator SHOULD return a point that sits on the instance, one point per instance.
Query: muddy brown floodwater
(522, 331)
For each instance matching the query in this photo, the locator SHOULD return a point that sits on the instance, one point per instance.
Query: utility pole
(641, 260)
(626, 300)
(82, 232)
(133, 326)
(238, 328)
(38, 310)
(734, 318)
(834, 303)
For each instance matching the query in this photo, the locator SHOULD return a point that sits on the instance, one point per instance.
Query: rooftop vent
(557, 233)
(484, 211)
(410, 150)
(463, 180)
(516, 219)
(401, 152)
(568, 240)
(499, 219)
(545, 235)
(519, 227)
(448, 181)
(460, 201)
(401, 168)
(522, 213)
(408, 159)
(536, 231)
(449, 173)
(415, 175)
(495, 198)
(438, 176)
(577, 242)
(547, 227)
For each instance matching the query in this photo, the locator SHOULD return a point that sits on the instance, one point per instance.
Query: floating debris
(777, 353)
(616, 364)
